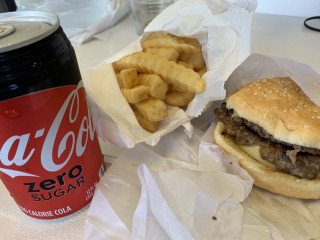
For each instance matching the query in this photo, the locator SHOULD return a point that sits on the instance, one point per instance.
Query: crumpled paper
(149, 193)
(188, 188)
(222, 28)
(81, 36)
(275, 217)
(259, 66)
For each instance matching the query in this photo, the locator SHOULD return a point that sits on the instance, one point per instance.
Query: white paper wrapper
(188, 188)
(259, 66)
(223, 29)
(148, 195)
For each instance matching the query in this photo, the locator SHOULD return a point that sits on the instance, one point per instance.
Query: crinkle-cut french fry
(187, 65)
(195, 60)
(202, 71)
(129, 77)
(169, 53)
(152, 109)
(119, 80)
(116, 71)
(157, 86)
(145, 123)
(170, 71)
(155, 35)
(136, 94)
(166, 40)
(192, 41)
(173, 88)
(179, 99)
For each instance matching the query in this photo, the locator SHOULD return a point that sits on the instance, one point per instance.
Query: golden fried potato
(168, 71)
(179, 99)
(157, 86)
(172, 72)
(202, 71)
(160, 39)
(145, 123)
(119, 80)
(136, 94)
(173, 88)
(169, 53)
(195, 60)
(152, 109)
(193, 41)
(129, 77)
(187, 65)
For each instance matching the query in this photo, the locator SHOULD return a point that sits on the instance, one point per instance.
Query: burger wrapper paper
(188, 188)
(222, 28)
(258, 66)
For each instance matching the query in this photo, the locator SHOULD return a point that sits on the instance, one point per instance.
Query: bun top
(281, 108)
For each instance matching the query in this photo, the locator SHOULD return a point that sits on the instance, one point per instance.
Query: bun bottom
(265, 177)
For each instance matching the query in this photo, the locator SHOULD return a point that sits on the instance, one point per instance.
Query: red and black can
(50, 158)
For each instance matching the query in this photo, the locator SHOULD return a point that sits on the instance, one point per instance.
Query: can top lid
(22, 28)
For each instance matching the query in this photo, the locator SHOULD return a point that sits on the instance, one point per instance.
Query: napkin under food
(188, 188)
(222, 28)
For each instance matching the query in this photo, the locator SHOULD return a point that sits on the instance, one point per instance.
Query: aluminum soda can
(50, 157)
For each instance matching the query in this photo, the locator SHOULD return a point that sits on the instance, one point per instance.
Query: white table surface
(280, 36)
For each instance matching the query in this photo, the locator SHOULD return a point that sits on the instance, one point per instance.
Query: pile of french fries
(168, 71)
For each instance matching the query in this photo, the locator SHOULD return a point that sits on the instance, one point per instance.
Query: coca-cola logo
(77, 137)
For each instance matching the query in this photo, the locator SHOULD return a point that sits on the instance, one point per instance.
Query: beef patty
(302, 162)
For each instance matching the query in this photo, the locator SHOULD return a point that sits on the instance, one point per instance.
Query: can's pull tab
(6, 30)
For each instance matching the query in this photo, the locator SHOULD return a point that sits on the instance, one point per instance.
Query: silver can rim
(30, 16)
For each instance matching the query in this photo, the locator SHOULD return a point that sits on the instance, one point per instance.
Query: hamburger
(273, 129)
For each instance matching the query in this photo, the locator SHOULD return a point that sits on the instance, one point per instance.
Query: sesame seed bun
(281, 108)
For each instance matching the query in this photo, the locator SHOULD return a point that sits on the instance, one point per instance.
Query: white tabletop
(285, 36)
(279, 36)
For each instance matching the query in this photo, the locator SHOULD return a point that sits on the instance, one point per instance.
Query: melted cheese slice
(254, 152)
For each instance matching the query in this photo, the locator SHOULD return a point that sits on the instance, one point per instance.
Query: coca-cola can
(50, 157)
